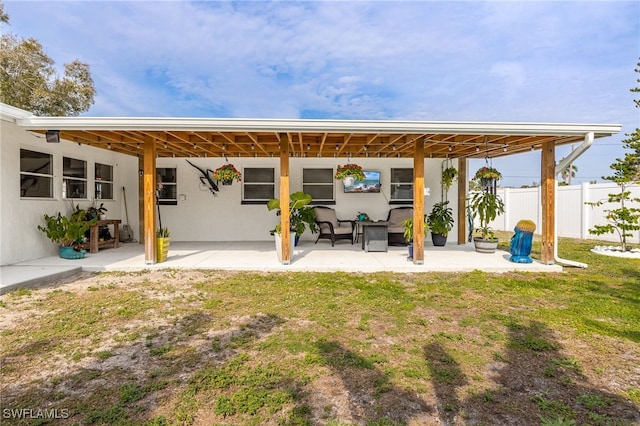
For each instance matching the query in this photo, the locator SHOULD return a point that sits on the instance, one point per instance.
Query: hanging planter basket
(226, 174)
(349, 171)
(488, 178)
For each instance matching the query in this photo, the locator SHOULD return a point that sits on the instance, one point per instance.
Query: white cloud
(503, 61)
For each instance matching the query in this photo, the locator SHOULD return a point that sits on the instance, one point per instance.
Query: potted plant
(349, 173)
(163, 241)
(440, 222)
(448, 176)
(363, 217)
(486, 206)
(407, 224)
(101, 210)
(226, 174)
(301, 214)
(68, 232)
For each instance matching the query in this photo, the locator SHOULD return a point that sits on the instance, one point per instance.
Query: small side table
(374, 236)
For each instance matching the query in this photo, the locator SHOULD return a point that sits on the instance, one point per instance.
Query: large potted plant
(440, 222)
(407, 224)
(301, 214)
(349, 173)
(486, 206)
(68, 232)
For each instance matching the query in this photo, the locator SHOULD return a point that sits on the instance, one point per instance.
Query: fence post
(506, 216)
(584, 218)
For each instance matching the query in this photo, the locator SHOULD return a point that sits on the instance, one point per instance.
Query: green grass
(241, 348)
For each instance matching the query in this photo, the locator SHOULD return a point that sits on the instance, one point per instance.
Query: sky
(499, 61)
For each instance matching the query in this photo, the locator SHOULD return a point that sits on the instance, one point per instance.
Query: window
(166, 179)
(74, 178)
(319, 183)
(401, 186)
(258, 184)
(104, 182)
(36, 174)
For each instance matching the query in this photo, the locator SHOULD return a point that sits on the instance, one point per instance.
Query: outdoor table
(374, 235)
(95, 243)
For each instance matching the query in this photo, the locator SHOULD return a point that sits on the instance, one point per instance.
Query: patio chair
(331, 227)
(395, 230)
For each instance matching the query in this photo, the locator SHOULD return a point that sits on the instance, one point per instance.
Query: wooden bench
(94, 243)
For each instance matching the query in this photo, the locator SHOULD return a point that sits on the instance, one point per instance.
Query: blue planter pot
(70, 253)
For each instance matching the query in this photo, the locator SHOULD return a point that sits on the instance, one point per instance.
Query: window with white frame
(36, 174)
(74, 178)
(402, 185)
(258, 184)
(167, 181)
(103, 179)
(319, 183)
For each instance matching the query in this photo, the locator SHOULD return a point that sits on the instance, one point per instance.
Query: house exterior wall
(199, 216)
(19, 217)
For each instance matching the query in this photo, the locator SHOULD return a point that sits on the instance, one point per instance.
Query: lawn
(239, 348)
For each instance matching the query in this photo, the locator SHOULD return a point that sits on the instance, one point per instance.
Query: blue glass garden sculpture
(520, 246)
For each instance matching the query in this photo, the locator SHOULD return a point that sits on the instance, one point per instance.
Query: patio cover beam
(285, 219)
(462, 200)
(418, 201)
(548, 185)
(149, 183)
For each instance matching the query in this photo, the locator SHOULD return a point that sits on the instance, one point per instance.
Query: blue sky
(533, 61)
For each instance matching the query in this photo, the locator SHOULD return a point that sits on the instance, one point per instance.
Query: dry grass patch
(227, 348)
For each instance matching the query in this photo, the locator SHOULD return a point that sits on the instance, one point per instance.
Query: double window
(36, 174)
(258, 184)
(74, 178)
(401, 186)
(319, 183)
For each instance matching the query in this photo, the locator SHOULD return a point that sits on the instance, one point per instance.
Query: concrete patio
(261, 256)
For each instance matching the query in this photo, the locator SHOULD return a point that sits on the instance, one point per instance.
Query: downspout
(588, 141)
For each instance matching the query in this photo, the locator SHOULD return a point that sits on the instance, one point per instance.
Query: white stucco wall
(199, 216)
(20, 239)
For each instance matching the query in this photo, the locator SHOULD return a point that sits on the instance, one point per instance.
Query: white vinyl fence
(574, 218)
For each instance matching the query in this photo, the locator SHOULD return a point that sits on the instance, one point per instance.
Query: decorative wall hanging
(205, 179)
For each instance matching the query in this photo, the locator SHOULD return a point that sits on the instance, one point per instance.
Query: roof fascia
(322, 126)
(11, 113)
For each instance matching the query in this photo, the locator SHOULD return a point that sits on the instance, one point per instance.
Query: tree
(568, 173)
(28, 78)
(625, 218)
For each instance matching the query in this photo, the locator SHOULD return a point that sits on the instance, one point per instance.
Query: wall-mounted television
(371, 183)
